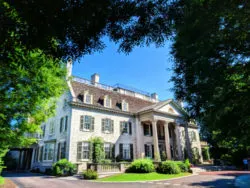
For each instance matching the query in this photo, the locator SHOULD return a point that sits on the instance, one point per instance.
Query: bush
(90, 174)
(63, 168)
(105, 161)
(183, 167)
(187, 163)
(169, 167)
(141, 166)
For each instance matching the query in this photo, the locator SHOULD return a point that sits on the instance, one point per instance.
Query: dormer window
(87, 98)
(124, 106)
(107, 102)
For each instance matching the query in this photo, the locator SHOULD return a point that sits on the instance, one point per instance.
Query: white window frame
(87, 95)
(150, 152)
(126, 152)
(109, 146)
(52, 128)
(85, 148)
(107, 102)
(107, 126)
(49, 151)
(125, 106)
(125, 124)
(83, 123)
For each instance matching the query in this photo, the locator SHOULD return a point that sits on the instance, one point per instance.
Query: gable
(171, 109)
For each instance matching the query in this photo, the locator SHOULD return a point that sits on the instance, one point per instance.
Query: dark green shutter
(121, 150)
(79, 150)
(130, 128)
(66, 123)
(65, 149)
(61, 124)
(151, 130)
(145, 149)
(121, 127)
(81, 122)
(58, 152)
(103, 124)
(131, 152)
(41, 156)
(153, 152)
(113, 151)
(112, 126)
(92, 124)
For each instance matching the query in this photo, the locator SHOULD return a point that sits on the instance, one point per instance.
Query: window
(107, 102)
(87, 123)
(61, 150)
(124, 106)
(88, 98)
(125, 127)
(52, 128)
(126, 151)
(43, 130)
(63, 124)
(108, 150)
(107, 126)
(40, 153)
(49, 151)
(83, 150)
(148, 130)
(149, 150)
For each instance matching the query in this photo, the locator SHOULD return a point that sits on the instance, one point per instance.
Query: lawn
(1, 180)
(141, 177)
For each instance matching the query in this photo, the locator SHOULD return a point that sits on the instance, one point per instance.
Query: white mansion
(132, 124)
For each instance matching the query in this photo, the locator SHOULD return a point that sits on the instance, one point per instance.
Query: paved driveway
(214, 179)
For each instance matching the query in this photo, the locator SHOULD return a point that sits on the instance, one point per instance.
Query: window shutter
(92, 124)
(58, 152)
(130, 128)
(113, 151)
(61, 124)
(121, 151)
(151, 130)
(153, 152)
(145, 149)
(131, 152)
(112, 126)
(91, 148)
(65, 149)
(103, 124)
(41, 156)
(79, 150)
(66, 123)
(81, 122)
(121, 127)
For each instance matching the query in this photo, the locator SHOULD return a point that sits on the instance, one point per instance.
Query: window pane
(88, 98)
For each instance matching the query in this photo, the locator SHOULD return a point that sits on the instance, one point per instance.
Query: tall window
(87, 123)
(63, 124)
(149, 150)
(52, 128)
(61, 150)
(83, 150)
(107, 102)
(125, 127)
(49, 151)
(126, 151)
(43, 130)
(107, 125)
(41, 153)
(147, 130)
(108, 150)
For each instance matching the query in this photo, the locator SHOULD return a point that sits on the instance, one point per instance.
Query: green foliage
(212, 67)
(63, 168)
(169, 167)
(90, 174)
(105, 161)
(187, 163)
(1, 180)
(141, 166)
(183, 166)
(205, 153)
(98, 153)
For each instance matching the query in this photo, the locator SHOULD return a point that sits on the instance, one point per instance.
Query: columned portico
(156, 143)
(167, 141)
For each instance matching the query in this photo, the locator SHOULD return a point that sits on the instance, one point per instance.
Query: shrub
(187, 163)
(168, 167)
(183, 167)
(105, 161)
(90, 174)
(98, 153)
(141, 166)
(63, 168)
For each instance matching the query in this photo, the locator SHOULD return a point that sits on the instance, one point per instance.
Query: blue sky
(145, 68)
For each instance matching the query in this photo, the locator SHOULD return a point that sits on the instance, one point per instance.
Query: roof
(135, 104)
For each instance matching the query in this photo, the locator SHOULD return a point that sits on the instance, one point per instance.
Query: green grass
(1, 180)
(141, 177)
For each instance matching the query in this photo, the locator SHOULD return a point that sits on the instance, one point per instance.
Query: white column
(138, 138)
(178, 141)
(167, 141)
(156, 144)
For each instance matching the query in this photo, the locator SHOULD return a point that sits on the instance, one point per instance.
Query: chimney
(69, 68)
(154, 96)
(95, 79)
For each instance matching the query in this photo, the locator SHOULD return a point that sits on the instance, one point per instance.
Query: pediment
(170, 108)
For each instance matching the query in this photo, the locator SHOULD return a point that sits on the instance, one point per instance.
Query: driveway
(213, 179)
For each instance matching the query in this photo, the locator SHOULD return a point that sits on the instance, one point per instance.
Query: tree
(212, 70)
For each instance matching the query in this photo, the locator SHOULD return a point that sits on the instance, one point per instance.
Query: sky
(145, 68)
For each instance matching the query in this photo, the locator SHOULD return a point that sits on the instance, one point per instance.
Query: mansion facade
(132, 124)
